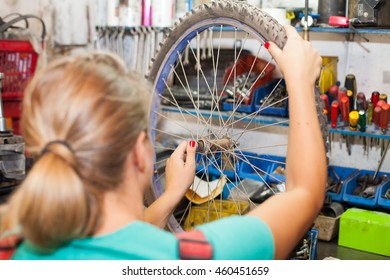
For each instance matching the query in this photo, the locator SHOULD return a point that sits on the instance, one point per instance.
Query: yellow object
(329, 72)
(202, 191)
(290, 15)
(214, 210)
(353, 120)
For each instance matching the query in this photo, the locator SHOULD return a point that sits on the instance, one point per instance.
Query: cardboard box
(328, 227)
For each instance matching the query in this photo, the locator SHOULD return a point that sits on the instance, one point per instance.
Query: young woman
(85, 119)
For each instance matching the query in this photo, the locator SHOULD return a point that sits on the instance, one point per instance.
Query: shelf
(262, 119)
(370, 132)
(346, 30)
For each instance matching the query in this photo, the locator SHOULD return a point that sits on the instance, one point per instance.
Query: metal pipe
(306, 23)
(381, 161)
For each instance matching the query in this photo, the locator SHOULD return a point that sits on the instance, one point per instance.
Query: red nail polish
(192, 143)
(266, 45)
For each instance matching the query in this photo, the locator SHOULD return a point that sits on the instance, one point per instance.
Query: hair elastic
(61, 142)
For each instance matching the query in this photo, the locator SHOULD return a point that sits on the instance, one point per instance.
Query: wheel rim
(222, 133)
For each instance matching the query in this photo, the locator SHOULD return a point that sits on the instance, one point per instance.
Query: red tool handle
(380, 103)
(335, 113)
(333, 92)
(345, 108)
(384, 119)
(342, 92)
(324, 97)
(376, 115)
(374, 98)
(339, 21)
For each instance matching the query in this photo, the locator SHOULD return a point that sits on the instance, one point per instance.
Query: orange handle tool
(384, 118)
(345, 109)
(334, 113)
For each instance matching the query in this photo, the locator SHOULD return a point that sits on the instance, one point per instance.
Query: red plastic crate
(18, 61)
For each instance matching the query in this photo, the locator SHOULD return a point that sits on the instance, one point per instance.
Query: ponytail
(94, 110)
(51, 205)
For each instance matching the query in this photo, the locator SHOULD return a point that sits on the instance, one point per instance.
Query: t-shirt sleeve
(239, 237)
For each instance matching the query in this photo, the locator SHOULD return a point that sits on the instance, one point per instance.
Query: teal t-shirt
(231, 238)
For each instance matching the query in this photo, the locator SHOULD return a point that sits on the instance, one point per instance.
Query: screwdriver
(333, 92)
(325, 98)
(362, 120)
(353, 120)
(370, 112)
(383, 97)
(376, 116)
(342, 92)
(334, 113)
(345, 109)
(384, 118)
(350, 84)
(359, 104)
(374, 98)
(362, 96)
(351, 100)
(380, 103)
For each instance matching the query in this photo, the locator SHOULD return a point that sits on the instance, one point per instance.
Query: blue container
(262, 92)
(384, 202)
(229, 106)
(216, 165)
(201, 161)
(344, 173)
(350, 186)
(261, 168)
(277, 161)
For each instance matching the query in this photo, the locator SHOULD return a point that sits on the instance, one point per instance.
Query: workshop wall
(366, 60)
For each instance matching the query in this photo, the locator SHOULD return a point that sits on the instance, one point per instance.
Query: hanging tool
(374, 98)
(384, 118)
(340, 21)
(359, 104)
(362, 96)
(380, 103)
(353, 120)
(333, 93)
(342, 92)
(362, 120)
(351, 100)
(350, 84)
(383, 97)
(135, 44)
(370, 112)
(334, 113)
(376, 116)
(345, 109)
(324, 97)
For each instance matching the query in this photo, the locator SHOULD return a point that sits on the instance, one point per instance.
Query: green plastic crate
(365, 230)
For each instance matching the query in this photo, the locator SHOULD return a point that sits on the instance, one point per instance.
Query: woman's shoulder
(137, 240)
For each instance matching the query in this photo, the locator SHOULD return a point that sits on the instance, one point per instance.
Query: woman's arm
(289, 215)
(180, 174)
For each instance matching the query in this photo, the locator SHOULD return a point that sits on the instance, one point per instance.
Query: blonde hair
(92, 104)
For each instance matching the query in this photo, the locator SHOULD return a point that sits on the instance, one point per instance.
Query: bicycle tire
(251, 19)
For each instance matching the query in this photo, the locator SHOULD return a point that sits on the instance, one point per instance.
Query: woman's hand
(180, 174)
(180, 170)
(299, 61)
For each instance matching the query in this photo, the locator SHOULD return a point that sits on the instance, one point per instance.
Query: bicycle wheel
(215, 83)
